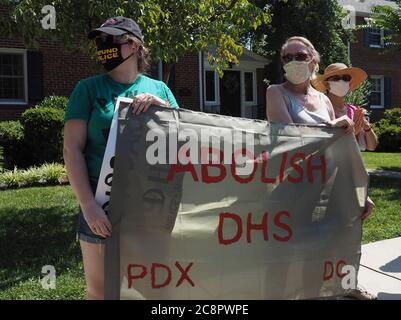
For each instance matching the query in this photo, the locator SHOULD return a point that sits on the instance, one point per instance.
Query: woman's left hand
(142, 102)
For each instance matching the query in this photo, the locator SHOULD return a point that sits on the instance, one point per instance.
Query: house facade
(29, 75)
(370, 53)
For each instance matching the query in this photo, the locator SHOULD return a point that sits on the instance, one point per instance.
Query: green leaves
(389, 18)
(171, 28)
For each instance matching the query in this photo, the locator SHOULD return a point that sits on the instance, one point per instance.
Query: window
(376, 37)
(210, 86)
(249, 86)
(12, 77)
(377, 95)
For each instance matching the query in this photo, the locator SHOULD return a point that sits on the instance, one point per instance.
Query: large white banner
(211, 207)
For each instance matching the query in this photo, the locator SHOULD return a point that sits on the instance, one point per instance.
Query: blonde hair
(143, 54)
(309, 46)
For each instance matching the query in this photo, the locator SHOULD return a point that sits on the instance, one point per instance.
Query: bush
(388, 131)
(43, 134)
(57, 102)
(360, 96)
(12, 141)
(37, 138)
(10, 130)
(52, 174)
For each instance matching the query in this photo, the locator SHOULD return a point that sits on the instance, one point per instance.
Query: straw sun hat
(335, 69)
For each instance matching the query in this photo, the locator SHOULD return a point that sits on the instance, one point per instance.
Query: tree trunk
(166, 67)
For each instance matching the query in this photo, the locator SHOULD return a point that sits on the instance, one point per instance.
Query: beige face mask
(297, 72)
(339, 88)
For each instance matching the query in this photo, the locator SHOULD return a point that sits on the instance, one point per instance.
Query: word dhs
(232, 227)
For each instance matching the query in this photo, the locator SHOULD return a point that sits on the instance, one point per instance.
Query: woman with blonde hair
(295, 100)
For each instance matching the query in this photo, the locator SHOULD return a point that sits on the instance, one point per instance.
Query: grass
(1, 159)
(38, 228)
(385, 222)
(382, 160)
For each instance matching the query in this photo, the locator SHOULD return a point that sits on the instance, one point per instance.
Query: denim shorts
(84, 232)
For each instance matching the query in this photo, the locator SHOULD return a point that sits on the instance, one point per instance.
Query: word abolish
(229, 222)
(251, 165)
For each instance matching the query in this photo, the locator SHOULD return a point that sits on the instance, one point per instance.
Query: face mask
(339, 88)
(109, 54)
(297, 72)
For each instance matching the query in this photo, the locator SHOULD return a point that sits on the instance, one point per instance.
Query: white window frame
(22, 52)
(381, 32)
(216, 100)
(253, 102)
(381, 78)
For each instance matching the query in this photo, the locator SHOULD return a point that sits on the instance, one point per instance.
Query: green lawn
(385, 222)
(38, 228)
(1, 158)
(382, 160)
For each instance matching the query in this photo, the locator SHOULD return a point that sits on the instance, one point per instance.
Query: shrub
(37, 138)
(388, 130)
(51, 173)
(57, 102)
(43, 134)
(360, 96)
(10, 130)
(12, 141)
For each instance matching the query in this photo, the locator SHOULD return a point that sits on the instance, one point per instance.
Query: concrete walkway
(380, 269)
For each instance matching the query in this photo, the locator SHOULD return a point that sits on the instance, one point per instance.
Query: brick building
(369, 53)
(27, 76)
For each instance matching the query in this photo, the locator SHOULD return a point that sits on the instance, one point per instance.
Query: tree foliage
(171, 28)
(388, 18)
(318, 20)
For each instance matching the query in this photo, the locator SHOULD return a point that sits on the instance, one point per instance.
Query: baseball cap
(117, 26)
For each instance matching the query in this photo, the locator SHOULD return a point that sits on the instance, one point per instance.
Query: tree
(317, 20)
(171, 28)
(388, 18)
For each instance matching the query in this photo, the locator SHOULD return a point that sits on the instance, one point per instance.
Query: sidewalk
(380, 269)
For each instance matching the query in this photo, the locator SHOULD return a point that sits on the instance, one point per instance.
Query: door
(230, 94)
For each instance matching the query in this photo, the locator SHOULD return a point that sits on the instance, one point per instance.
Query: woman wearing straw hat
(336, 82)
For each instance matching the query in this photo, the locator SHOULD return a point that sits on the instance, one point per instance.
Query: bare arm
(370, 136)
(276, 108)
(74, 144)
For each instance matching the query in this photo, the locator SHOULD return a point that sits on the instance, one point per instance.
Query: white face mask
(339, 88)
(297, 72)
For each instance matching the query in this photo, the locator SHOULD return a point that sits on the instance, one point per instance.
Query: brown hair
(144, 60)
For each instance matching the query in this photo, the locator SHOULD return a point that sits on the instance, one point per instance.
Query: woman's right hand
(96, 219)
(345, 122)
